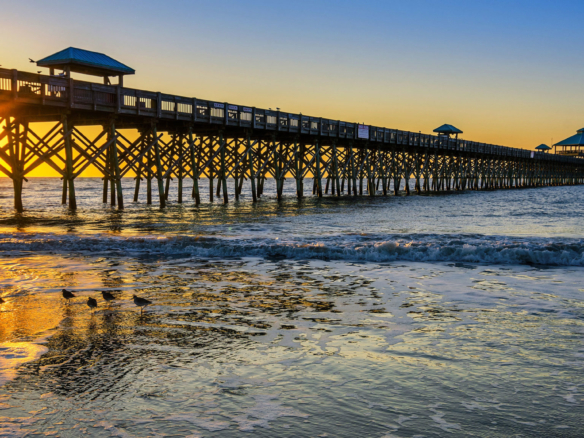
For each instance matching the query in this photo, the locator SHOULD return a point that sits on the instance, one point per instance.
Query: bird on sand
(67, 294)
(92, 303)
(2, 300)
(107, 296)
(141, 302)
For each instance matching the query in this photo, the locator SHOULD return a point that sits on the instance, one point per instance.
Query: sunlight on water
(14, 354)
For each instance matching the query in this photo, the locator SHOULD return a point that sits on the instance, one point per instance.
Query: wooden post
(64, 191)
(65, 171)
(237, 171)
(17, 184)
(371, 161)
(361, 161)
(344, 173)
(318, 170)
(251, 169)
(418, 169)
(383, 168)
(407, 171)
(336, 164)
(396, 172)
(149, 174)
(367, 167)
(223, 168)
(241, 169)
(278, 167)
(112, 171)
(158, 168)
(116, 166)
(15, 144)
(259, 179)
(353, 179)
(69, 165)
(170, 159)
(139, 171)
(105, 175)
(137, 187)
(194, 168)
(211, 169)
(299, 164)
(180, 167)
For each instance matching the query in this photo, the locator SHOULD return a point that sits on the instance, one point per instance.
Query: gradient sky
(505, 72)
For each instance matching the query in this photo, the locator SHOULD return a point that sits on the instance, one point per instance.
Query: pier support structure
(175, 155)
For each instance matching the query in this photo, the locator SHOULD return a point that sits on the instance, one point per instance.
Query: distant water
(458, 314)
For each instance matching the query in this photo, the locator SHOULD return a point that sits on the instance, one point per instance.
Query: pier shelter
(448, 130)
(572, 146)
(86, 62)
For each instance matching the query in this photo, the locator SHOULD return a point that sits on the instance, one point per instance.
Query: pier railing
(38, 89)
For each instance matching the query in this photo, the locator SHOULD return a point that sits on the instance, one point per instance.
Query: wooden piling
(116, 169)
(278, 164)
(223, 168)
(299, 168)
(195, 158)
(158, 163)
(318, 168)
(180, 176)
(69, 164)
(250, 162)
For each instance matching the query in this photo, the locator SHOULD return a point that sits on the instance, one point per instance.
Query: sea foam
(473, 248)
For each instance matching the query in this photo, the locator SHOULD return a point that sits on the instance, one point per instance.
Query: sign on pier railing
(363, 132)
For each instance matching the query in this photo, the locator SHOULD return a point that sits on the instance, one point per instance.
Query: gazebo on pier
(572, 146)
(542, 148)
(86, 62)
(448, 130)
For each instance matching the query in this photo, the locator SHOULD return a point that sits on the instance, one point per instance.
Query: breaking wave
(473, 248)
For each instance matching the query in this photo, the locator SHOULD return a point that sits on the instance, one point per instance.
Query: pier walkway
(161, 138)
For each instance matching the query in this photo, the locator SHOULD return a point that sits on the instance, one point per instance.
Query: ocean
(456, 314)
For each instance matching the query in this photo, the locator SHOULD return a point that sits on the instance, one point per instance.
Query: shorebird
(67, 294)
(92, 303)
(107, 296)
(30, 59)
(2, 300)
(141, 302)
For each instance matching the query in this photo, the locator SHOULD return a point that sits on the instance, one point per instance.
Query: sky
(505, 72)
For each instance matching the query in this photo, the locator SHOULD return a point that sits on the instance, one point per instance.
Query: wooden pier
(159, 138)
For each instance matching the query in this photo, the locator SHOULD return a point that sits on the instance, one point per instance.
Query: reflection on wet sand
(288, 348)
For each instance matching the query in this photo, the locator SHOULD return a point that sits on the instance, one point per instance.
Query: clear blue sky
(505, 72)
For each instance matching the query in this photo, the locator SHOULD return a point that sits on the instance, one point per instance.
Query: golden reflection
(31, 290)
(26, 317)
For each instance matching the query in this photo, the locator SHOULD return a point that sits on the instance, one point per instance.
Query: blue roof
(86, 58)
(575, 140)
(543, 147)
(448, 129)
